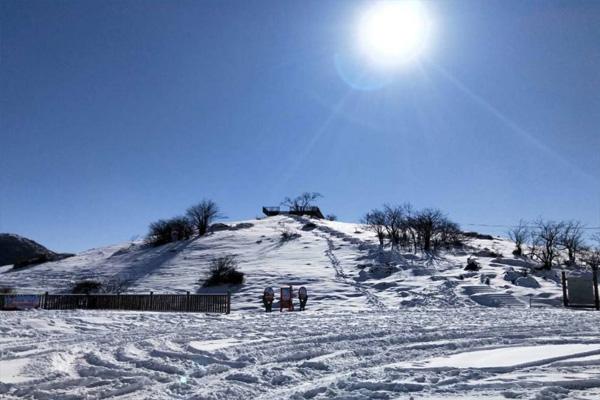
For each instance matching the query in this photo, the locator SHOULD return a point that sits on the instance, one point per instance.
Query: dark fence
(208, 303)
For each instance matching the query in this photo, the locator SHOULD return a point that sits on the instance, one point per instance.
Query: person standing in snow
(302, 297)
(267, 298)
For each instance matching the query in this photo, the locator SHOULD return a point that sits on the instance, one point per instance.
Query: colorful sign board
(285, 301)
(21, 301)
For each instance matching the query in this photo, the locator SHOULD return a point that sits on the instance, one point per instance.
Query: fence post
(596, 297)
(45, 300)
(564, 288)
(151, 293)
(118, 300)
(187, 301)
(228, 302)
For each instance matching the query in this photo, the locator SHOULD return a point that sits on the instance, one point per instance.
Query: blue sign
(21, 301)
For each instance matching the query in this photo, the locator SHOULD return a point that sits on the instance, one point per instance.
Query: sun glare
(394, 32)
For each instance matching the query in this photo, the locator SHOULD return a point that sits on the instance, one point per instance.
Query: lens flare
(394, 32)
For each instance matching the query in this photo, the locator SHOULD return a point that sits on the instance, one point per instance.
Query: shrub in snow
(472, 264)
(86, 287)
(243, 225)
(476, 235)
(287, 234)
(331, 217)
(218, 227)
(166, 231)
(223, 270)
(309, 226)
(487, 253)
(382, 271)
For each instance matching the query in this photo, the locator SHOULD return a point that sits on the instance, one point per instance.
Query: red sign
(285, 300)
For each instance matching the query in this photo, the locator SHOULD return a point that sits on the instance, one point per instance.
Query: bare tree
(166, 231)
(572, 239)
(409, 227)
(519, 235)
(592, 256)
(374, 221)
(203, 215)
(449, 234)
(303, 202)
(181, 228)
(159, 233)
(427, 224)
(393, 223)
(425, 229)
(546, 240)
(533, 243)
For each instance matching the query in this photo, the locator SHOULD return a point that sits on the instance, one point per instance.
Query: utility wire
(591, 228)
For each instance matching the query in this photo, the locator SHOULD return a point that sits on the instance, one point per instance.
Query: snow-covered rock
(527, 281)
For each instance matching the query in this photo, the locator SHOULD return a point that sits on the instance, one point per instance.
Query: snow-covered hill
(340, 264)
(362, 336)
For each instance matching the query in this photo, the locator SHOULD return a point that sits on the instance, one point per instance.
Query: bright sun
(394, 32)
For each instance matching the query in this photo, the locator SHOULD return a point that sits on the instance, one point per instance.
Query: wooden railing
(208, 303)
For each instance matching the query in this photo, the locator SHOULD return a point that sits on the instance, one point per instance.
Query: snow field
(420, 352)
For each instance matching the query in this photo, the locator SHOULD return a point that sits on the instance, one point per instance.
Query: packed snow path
(425, 353)
(372, 299)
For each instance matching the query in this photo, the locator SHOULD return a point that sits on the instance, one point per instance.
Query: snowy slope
(339, 263)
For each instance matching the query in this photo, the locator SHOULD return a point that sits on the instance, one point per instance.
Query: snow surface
(510, 357)
(379, 324)
(302, 355)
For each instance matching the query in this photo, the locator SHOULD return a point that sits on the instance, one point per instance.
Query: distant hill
(15, 249)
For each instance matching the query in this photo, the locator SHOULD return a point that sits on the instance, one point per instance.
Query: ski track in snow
(350, 355)
(377, 324)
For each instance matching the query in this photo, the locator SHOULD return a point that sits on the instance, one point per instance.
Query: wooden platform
(310, 211)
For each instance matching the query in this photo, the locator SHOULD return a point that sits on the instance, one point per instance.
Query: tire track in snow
(295, 355)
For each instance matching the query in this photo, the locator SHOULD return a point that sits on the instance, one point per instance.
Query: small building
(312, 211)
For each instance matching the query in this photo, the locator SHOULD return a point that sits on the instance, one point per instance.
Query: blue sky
(117, 113)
